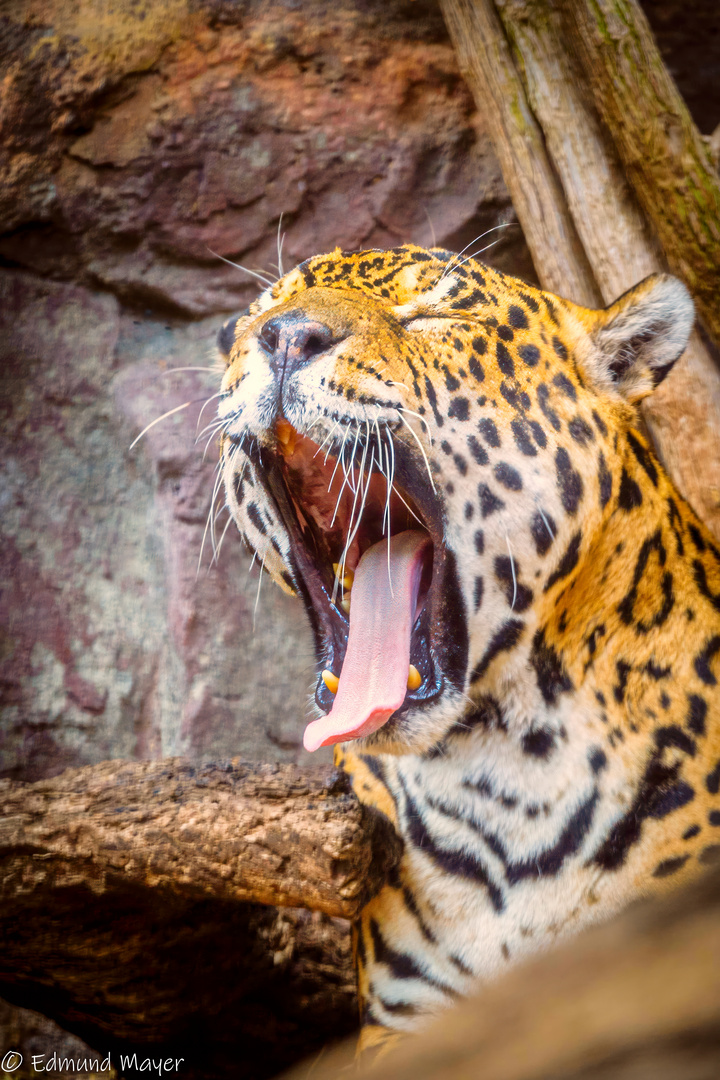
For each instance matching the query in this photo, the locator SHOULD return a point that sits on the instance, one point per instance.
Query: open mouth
(378, 582)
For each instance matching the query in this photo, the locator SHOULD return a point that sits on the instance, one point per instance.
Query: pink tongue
(373, 680)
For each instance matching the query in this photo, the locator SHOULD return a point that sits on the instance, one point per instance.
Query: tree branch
(268, 834)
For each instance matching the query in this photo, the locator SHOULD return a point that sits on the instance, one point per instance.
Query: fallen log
(138, 908)
(267, 834)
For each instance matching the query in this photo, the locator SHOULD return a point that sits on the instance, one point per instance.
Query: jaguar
(516, 614)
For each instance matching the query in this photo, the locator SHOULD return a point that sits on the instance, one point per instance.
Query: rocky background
(142, 143)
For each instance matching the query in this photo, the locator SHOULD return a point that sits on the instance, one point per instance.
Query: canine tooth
(286, 436)
(331, 681)
(414, 678)
(345, 604)
(347, 580)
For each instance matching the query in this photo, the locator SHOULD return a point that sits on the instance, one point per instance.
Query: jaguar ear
(639, 337)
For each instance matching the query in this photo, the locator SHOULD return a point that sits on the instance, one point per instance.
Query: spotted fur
(572, 761)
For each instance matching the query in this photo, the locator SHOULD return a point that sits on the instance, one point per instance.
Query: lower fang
(414, 678)
(345, 604)
(331, 681)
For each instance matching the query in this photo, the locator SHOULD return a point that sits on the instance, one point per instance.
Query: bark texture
(586, 230)
(267, 834)
(665, 157)
(636, 998)
(134, 908)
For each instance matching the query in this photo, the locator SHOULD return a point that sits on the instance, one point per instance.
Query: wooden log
(134, 908)
(268, 834)
(489, 70)
(637, 997)
(666, 159)
(515, 56)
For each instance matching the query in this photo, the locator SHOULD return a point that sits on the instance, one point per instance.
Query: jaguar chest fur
(516, 615)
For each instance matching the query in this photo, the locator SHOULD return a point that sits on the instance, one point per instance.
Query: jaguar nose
(292, 340)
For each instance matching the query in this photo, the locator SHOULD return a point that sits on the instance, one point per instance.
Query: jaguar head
(422, 447)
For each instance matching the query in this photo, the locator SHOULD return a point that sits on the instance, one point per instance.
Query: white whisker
(257, 595)
(254, 273)
(422, 420)
(512, 571)
(422, 450)
(164, 416)
(216, 556)
(280, 242)
(547, 524)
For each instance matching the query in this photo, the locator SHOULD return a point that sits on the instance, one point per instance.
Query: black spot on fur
(656, 672)
(569, 481)
(709, 854)
(581, 431)
(700, 575)
(600, 424)
(559, 348)
(568, 562)
(597, 760)
(605, 478)
(623, 670)
(401, 965)
(476, 368)
(253, 513)
(479, 346)
(538, 743)
(712, 780)
(705, 658)
(478, 592)
(460, 464)
(450, 381)
(503, 640)
(489, 432)
(543, 395)
(489, 502)
(696, 537)
(517, 317)
(529, 354)
(538, 433)
(477, 450)
(508, 476)
(691, 832)
(643, 456)
(552, 678)
(457, 863)
(660, 793)
(521, 434)
(670, 866)
(519, 596)
(506, 333)
(432, 398)
(504, 359)
(540, 532)
(627, 604)
(459, 408)
(565, 386)
(697, 713)
(714, 817)
(479, 542)
(630, 494)
(674, 736)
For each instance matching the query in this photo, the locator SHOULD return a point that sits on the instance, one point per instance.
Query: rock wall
(140, 146)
